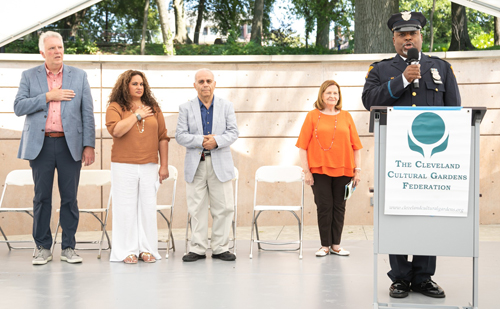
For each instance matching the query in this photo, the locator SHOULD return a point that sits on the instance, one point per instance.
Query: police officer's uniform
(384, 86)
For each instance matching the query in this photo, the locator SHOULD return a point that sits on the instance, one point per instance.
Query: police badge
(435, 76)
(406, 16)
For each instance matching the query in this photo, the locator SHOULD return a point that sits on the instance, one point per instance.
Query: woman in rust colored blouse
(329, 153)
(136, 123)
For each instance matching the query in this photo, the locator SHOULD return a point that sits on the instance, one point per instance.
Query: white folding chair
(98, 178)
(278, 174)
(235, 218)
(172, 177)
(16, 178)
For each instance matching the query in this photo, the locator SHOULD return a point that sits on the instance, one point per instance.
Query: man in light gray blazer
(207, 128)
(59, 133)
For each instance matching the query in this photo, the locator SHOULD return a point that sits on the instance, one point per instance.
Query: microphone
(413, 59)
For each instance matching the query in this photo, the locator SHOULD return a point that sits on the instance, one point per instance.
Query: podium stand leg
(475, 279)
(375, 281)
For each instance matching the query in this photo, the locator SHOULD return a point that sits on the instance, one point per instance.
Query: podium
(458, 236)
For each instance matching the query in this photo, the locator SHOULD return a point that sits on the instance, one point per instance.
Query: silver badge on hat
(435, 76)
(406, 16)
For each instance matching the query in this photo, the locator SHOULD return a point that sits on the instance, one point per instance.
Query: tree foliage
(320, 13)
(478, 23)
(121, 21)
(228, 14)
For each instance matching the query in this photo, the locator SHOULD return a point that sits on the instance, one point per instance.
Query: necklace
(137, 123)
(316, 132)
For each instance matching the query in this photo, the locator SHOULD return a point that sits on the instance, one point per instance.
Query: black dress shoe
(429, 288)
(192, 257)
(225, 256)
(399, 289)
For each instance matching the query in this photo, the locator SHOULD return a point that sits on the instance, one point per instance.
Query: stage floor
(269, 280)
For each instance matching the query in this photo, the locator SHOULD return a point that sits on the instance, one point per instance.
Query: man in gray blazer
(59, 133)
(207, 128)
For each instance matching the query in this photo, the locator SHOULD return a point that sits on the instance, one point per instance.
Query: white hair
(45, 35)
(201, 70)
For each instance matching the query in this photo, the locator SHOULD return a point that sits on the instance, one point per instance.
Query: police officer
(390, 82)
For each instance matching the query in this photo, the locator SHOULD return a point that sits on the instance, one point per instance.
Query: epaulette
(446, 62)
(377, 62)
(387, 59)
(383, 60)
(435, 57)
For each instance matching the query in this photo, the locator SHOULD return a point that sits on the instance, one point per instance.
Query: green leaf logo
(427, 133)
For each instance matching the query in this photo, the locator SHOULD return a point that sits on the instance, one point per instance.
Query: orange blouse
(135, 147)
(339, 160)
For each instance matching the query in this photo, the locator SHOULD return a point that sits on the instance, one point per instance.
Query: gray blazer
(77, 115)
(189, 134)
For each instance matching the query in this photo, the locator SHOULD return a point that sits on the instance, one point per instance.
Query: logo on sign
(428, 135)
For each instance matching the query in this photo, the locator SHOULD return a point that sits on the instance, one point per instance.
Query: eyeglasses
(208, 81)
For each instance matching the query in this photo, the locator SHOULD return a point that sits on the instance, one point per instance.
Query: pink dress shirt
(54, 122)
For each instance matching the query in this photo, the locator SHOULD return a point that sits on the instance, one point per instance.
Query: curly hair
(319, 104)
(121, 95)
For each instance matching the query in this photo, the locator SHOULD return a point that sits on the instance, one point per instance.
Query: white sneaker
(323, 251)
(42, 257)
(69, 255)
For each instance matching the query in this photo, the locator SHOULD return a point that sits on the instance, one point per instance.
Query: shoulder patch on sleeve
(369, 69)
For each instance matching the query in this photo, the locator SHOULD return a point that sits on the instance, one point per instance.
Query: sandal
(147, 257)
(131, 259)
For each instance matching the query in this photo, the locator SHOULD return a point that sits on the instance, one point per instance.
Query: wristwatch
(139, 118)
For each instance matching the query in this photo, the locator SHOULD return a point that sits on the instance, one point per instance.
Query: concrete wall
(271, 96)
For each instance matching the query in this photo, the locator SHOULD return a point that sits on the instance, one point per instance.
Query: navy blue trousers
(54, 155)
(418, 270)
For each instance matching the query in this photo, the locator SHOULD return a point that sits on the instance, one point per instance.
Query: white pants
(204, 188)
(134, 210)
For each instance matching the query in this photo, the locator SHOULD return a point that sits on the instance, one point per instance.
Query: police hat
(406, 21)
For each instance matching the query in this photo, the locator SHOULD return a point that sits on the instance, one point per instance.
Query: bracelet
(139, 118)
(357, 168)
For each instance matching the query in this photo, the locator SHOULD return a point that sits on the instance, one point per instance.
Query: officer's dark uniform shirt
(384, 84)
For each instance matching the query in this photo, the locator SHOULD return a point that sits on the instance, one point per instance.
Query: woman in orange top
(136, 123)
(329, 153)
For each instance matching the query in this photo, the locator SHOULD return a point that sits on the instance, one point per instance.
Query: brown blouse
(135, 147)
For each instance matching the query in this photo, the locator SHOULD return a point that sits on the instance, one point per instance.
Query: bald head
(204, 84)
(203, 70)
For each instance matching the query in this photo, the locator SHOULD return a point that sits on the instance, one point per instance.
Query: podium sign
(427, 161)
(426, 186)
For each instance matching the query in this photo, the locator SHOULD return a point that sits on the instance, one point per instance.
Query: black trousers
(55, 154)
(418, 270)
(330, 204)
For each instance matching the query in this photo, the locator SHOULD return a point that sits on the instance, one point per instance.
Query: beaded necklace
(137, 123)
(316, 132)
(140, 130)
